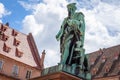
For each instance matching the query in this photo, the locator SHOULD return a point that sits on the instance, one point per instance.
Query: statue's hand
(57, 37)
(73, 22)
(69, 22)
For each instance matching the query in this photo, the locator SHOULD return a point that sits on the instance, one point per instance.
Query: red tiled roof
(107, 64)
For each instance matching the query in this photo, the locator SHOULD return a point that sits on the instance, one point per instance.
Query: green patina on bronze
(71, 36)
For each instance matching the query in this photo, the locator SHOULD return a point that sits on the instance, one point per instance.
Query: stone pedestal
(57, 76)
(60, 72)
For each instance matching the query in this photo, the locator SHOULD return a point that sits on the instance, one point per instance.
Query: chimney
(7, 24)
(101, 51)
(42, 59)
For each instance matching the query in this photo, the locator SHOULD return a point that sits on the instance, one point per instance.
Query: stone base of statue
(58, 76)
(60, 72)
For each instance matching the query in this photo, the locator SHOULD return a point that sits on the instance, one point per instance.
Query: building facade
(19, 57)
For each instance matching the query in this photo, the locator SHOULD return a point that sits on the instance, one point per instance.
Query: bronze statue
(71, 36)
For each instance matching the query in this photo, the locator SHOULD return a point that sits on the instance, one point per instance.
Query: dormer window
(103, 59)
(4, 37)
(92, 61)
(16, 42)
(107, 69)
(94, 71)
(6, 48)
(14, 33)
(1, 32)
(116, 56)
(3, 28)
(18, 53)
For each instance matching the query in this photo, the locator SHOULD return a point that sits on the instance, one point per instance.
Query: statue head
(71, 8)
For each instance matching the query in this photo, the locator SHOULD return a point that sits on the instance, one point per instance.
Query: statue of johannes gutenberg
(71, 34)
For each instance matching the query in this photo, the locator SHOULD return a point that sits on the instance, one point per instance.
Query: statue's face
(71, 11)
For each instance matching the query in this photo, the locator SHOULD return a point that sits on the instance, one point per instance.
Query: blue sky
(43, 19)
(17, 13)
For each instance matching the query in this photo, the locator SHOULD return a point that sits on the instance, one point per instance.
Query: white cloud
(26, 5)
(112, 2)
(3, 11)
(102, 25)
(31, 25)
(44, 22)
(51, 57)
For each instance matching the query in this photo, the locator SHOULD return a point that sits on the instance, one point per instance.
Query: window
(1, 64)
(14, 33)
(94, 71)
(103, 59)
(116, 56)
(16, 42)
(6, 48)
(92, 61)
(4, 37)
(18, 53)
(3, 28)
(1, 33)
(28, 74)
(15, 70)
(106, 69)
